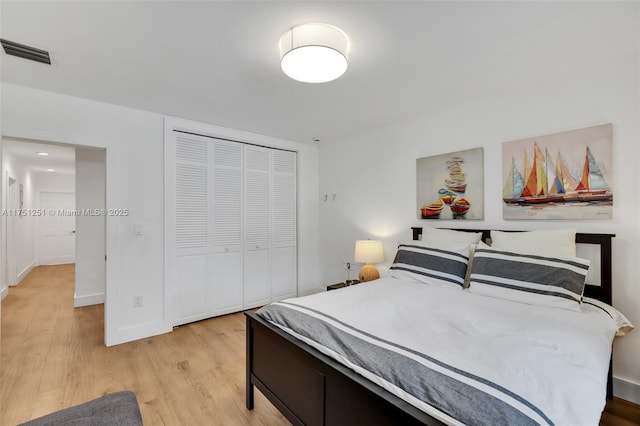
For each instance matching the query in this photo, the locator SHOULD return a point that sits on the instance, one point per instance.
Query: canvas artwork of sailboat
(566, 179)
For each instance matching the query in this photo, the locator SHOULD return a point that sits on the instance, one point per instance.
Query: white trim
(89, 299)
(140, 331)
(4, 292)
(626, 390)
(24, 273)
(212, 130)
(169, 243)
(112, 250)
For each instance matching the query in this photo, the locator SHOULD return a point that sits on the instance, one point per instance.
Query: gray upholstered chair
(119, 408)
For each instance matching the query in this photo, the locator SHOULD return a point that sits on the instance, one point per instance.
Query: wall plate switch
(137, 229)
(137, 301)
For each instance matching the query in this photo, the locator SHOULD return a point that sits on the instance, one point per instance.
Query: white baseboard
(138, 331)
(89, 299)
(24, 273)
(626, 390)
(4, 292)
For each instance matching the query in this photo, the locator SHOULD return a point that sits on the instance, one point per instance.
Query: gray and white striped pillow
(444, 264)
(536, 280)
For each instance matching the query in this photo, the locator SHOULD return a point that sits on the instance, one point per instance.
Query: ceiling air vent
(26, 52)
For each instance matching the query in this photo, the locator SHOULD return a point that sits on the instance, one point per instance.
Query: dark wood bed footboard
(310, 388)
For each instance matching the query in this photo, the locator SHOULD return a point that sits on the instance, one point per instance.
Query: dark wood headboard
(601, 292)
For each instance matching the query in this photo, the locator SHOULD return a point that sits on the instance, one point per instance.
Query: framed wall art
(565, 175)
(451, 186)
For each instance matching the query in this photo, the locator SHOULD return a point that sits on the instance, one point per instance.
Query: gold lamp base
(368, 272)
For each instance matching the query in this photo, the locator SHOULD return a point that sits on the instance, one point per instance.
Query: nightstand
(341, 285)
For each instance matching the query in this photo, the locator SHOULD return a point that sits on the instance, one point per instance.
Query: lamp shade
(369, 251)
(314, 53)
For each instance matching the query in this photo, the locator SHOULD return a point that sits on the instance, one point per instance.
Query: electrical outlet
(137, 301)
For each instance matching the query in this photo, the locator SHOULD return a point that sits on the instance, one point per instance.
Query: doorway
(61, 181)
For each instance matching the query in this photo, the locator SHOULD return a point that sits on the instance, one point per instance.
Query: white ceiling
(61, 158)
(218, 62)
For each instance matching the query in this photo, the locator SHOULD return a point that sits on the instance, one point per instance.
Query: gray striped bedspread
(460, 357)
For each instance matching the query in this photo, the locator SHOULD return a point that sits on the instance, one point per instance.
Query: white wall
(134, 150)
(133, 140)
(90, 229)
(54, 182)
(22, 256)
(374, 175)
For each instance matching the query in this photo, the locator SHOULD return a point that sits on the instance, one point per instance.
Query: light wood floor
(53, 356)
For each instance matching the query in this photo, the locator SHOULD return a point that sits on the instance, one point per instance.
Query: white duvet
(556, 359)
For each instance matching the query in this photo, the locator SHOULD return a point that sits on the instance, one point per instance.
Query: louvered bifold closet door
(257, 235)
(191, 289)
(231, 226)
(284, 224)
(226, 232)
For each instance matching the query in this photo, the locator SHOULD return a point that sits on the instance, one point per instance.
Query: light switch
(137, 229)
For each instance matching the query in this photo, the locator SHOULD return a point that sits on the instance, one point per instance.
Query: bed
(315, 384)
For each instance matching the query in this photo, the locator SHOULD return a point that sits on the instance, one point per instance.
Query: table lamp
(368, 252)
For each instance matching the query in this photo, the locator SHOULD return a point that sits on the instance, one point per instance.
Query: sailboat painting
(450, 186)
(564, 175)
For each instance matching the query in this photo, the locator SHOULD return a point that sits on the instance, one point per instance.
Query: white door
(191, 286)
(284, 274)
(257, 235)
(57, 228)
(226, 279)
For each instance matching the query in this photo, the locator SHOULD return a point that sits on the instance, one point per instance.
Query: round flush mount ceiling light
(314, 53)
